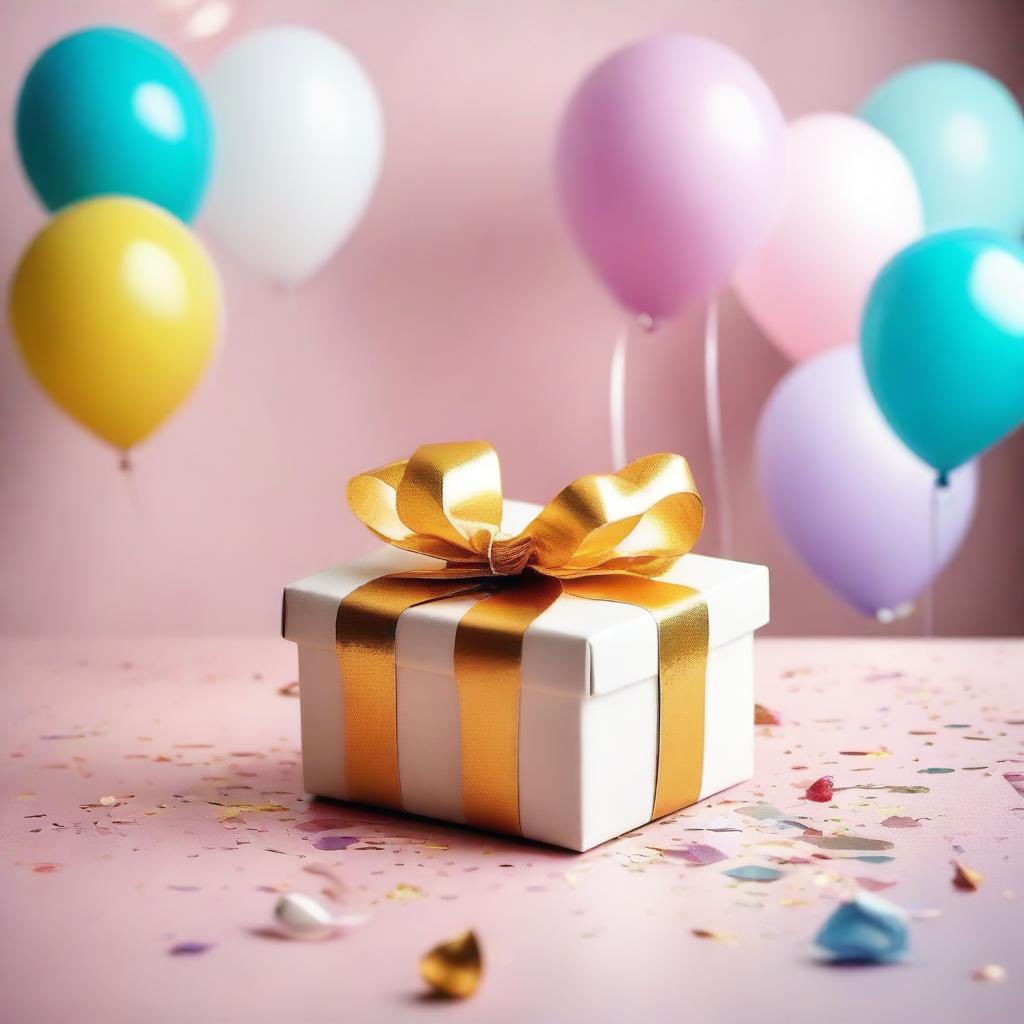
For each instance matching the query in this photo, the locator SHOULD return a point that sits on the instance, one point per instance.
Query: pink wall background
(458, 310)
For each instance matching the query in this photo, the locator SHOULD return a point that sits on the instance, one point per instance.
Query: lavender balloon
(669, 166)
(847, 494)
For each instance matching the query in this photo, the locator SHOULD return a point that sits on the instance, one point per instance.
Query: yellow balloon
(116, 309)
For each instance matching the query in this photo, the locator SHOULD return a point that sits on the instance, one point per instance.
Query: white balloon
(299, 137)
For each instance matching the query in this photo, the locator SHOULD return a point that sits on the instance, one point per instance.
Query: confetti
(323, 825)
(935, 771)
(454, 968)
(334, 842)
(765, 716)
(873, 884)
(759, 812)
(990, 972)
(707, 933)
(405, 893)
(820, 791)
(867, 929)
(190, 948)
(697, 854)
(229, 811)
(965, 878)
(844, 842)
(1015, 779)
(755, 873)
(898, 821)
(289, 689)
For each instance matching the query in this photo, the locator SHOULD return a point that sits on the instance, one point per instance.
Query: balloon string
(617, 398)
(934, 535)
(713, 411)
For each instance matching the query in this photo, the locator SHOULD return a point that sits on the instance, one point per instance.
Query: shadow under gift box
(588, 706)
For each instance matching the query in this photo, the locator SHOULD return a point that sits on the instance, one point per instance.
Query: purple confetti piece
(698, 854)
(190, 948)
(335, 842)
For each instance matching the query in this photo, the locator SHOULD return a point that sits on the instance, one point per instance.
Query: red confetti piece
(820, 791)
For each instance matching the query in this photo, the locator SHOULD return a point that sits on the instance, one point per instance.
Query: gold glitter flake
(229, 811)
(405, 893)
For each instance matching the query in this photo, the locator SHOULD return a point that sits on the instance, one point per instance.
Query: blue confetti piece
(874, 858)
(867, 929)
(755, 873)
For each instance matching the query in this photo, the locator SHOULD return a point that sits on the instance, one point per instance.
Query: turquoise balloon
(107, 111)
(963, 135)
(943, 344)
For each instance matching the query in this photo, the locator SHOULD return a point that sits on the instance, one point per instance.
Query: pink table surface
(187, 736)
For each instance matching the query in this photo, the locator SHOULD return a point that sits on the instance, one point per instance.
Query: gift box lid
(577, 646)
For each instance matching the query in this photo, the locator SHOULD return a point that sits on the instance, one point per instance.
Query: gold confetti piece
(433, 844)
(966, 878)
(454, 968)
(765, 716)
(707, 933)
(990, 972)
(108, 801)
(228, 811)
(405, 893)
(289, 689)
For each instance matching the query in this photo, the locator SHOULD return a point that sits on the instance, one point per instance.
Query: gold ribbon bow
(602, 537)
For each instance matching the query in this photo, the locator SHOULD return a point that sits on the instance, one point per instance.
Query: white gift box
(588, 707)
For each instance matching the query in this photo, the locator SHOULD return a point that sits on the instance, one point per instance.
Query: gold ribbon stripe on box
(604, 537)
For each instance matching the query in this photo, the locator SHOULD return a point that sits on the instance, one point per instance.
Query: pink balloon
(850, 204)
(669, 167)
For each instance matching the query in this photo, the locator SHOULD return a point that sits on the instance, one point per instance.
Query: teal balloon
(943, 344)
(963, 134)
(107, 111)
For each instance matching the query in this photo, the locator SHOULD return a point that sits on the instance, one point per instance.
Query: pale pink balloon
(669, 169)
(850, 204)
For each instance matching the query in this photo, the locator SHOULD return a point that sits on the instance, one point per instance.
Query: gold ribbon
(604, 537)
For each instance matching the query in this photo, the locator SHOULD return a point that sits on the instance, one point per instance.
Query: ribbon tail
(488, 661)
(365, 646)
(681, 615)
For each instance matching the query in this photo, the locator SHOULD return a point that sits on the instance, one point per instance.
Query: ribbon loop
(446, 502)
